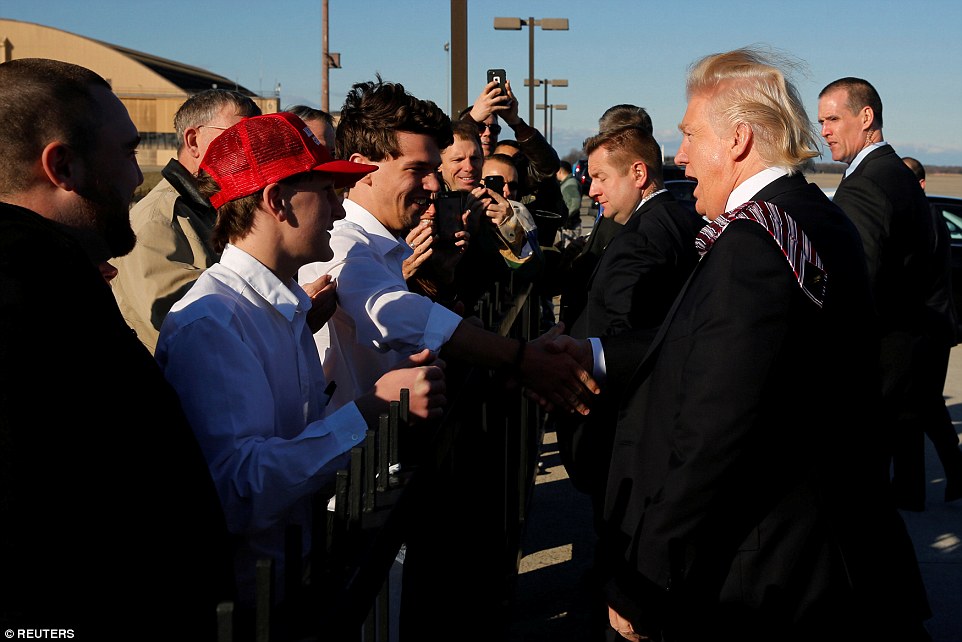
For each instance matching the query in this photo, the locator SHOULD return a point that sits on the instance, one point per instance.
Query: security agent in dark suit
(582, 258)
(744, 476)
(943, 335)
(633, 284)
(884, 200)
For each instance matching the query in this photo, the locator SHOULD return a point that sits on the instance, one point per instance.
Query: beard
(105, 217)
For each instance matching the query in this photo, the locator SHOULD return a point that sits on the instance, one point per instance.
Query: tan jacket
(173, 225)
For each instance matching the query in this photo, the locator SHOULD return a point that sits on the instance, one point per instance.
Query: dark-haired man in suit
(943, 336)
(634, 282)
(884, 200)
(632, 287)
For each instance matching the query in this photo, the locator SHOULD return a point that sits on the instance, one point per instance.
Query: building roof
(130, 72)
(190, 79)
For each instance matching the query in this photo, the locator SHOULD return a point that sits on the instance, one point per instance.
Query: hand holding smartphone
(448, 211)
(494, 183)
(498, 76)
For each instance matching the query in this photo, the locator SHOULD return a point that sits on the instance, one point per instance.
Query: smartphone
(495, 184)
(448, 209)
(498, 76)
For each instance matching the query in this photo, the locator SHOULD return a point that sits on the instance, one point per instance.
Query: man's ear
(639, 173)
(742, 140)
(190, 142)
(274, 200)
(361, 158)
(867, 115)
(60, 164)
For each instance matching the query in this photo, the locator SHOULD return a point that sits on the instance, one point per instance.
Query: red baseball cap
(266, 149)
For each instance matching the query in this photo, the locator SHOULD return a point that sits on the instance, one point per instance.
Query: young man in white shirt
(240, 353)
(378, 320)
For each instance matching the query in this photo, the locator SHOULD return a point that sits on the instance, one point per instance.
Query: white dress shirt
(868, 149)
(238, 351)
(378, 322)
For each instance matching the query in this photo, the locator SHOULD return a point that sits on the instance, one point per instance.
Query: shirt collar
(288, 299)
(754, 184)
(383, 238)
(650, 196)
(643, 201)
(868, 149)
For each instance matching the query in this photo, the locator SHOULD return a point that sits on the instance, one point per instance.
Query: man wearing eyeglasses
(173, 222)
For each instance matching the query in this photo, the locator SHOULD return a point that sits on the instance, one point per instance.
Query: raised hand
(420, 239)
(323, 293)
(496, 206)
(490, 101)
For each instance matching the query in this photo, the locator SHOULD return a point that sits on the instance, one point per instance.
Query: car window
(953, 218)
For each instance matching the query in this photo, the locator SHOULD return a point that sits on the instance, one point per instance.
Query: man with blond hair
(745, 473)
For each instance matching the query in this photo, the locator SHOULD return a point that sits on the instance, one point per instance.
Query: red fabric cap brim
(345, 173)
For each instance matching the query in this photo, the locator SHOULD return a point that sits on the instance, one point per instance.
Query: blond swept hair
(746, 86)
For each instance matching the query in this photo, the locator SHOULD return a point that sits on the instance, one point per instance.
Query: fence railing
(422, 522)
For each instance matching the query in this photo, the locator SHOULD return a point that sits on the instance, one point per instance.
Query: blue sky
(616, 51)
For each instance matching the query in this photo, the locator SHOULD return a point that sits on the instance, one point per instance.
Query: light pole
(328, 61)
(515, 24)
(550, 128)
(557, 82)
(447, 64)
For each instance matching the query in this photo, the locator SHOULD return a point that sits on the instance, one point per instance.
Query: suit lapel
(884, 150)
(770, 191)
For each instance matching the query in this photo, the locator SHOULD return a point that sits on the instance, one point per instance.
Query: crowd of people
(715, 380)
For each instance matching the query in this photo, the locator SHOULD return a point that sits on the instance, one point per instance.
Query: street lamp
(447, 64)
(329, 60)
(551, 108)
(557, 82)
(515, 24)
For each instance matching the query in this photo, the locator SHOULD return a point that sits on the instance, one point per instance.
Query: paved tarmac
(550, 601)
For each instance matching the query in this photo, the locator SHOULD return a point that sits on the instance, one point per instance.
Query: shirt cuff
(442, 323)
(346, 427)
(599, 373)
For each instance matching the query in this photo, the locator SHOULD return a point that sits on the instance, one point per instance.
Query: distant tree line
(838, 168)
(817, 168)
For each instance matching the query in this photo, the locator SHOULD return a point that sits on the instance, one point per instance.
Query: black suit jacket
(631, 288)
(744, 476)
(641, 270)
(577, 270)
(884, 200)
(110, 522)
